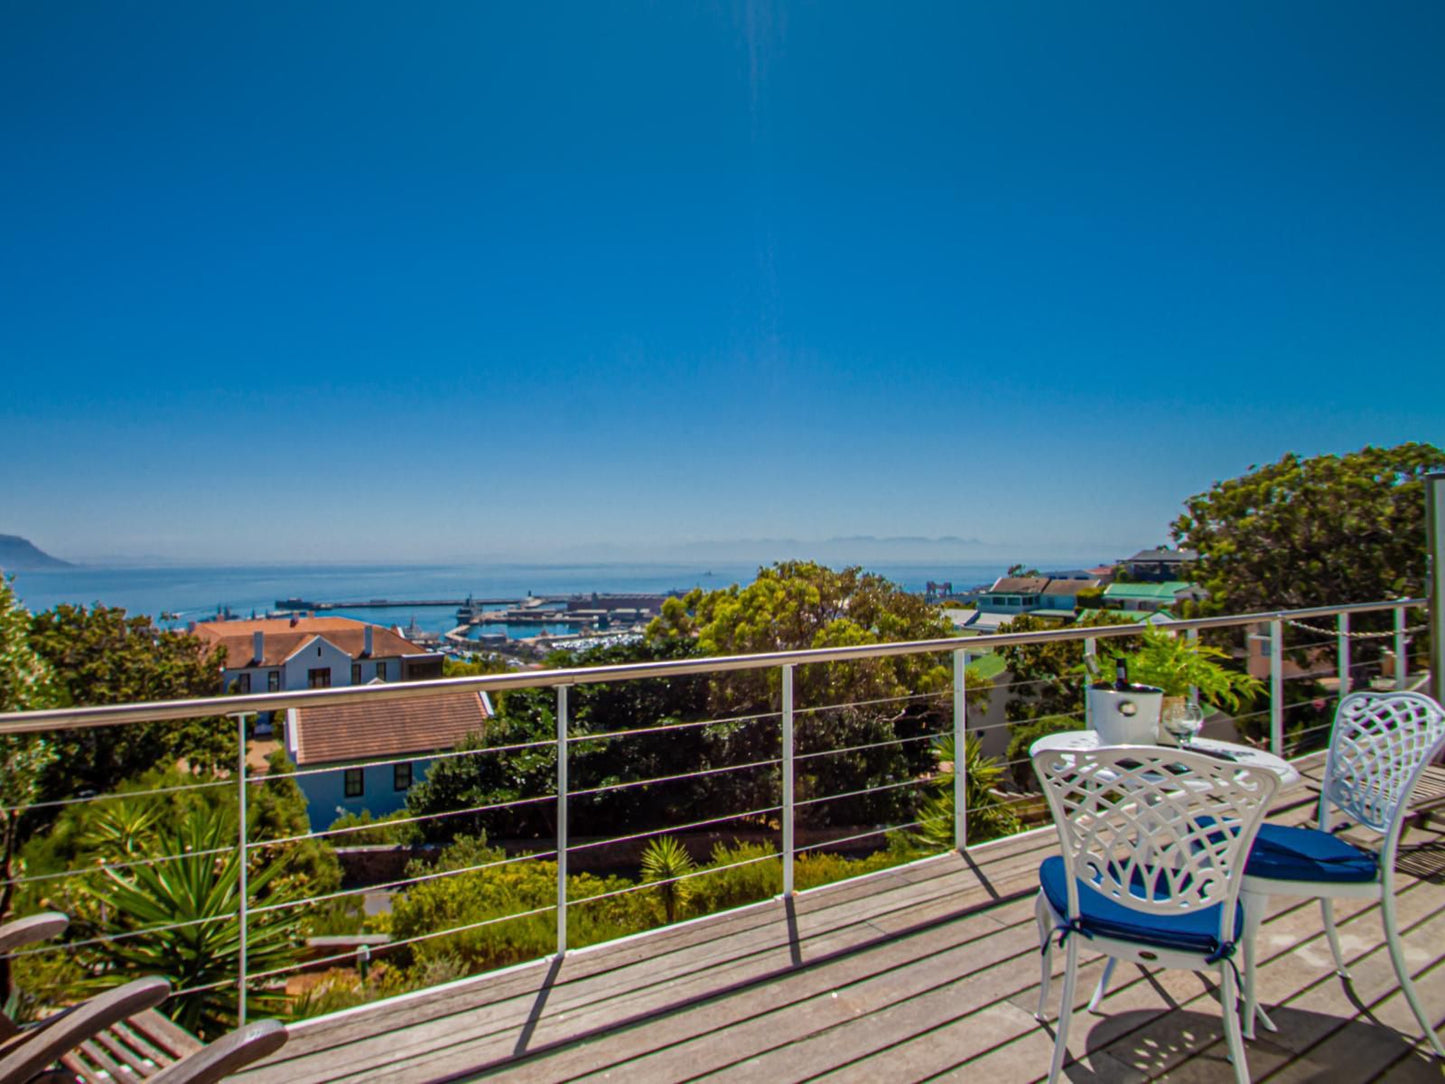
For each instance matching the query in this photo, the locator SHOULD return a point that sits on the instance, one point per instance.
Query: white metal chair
(1153, 842)
(1380, 745)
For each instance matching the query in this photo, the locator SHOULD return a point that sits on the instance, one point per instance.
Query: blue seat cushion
(1307, 854)
(1188, 931)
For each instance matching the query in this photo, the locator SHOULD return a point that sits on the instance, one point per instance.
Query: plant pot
(1125, 716)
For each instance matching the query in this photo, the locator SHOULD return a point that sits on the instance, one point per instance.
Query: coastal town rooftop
(926, 970)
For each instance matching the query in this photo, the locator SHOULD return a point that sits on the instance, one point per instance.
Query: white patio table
(1245, 755)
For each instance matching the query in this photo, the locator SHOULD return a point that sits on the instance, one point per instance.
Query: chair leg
(1103, 987)
(1402, 970)
(1066, 1010)
(1229, 1006)
(1254, 911)
(1327, 908)
(1046, 954)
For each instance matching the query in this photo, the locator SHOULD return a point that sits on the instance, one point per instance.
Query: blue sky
(376, 281)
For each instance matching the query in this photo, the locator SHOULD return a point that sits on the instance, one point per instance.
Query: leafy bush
(1023, 735)
(385, 833)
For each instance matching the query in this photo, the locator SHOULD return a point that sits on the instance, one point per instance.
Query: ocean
(197, 593)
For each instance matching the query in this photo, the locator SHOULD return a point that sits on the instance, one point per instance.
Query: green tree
(797, 605)
(26, 684)
(101, 656)
(1310, 532)
(597, 768)
(1045, 676)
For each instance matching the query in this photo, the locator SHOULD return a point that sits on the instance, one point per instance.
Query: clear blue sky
(396, 281)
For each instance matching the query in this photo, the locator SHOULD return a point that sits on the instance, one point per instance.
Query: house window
(273, 681)
(355, 784)
(243, 683)
(381, 671)
(319, 678)
(356, 673)
(401, 776)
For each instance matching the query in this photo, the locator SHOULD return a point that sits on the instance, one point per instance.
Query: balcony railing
(1321, 645)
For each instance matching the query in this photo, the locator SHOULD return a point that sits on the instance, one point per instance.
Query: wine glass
(1183, 721)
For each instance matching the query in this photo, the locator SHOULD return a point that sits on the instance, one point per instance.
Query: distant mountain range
(20, 555)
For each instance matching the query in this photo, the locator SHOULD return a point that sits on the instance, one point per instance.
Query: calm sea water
(195, 594)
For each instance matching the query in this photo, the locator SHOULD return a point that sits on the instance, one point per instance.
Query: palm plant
(181, 919)
(988, 816)
(1175, 664)
(666, 862)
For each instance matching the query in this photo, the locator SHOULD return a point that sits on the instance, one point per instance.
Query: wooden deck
(922, 973)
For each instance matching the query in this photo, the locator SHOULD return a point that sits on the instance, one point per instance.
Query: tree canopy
(101, 656)
(1326, 530)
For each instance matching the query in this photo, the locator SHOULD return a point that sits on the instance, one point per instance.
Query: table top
(1246, 755)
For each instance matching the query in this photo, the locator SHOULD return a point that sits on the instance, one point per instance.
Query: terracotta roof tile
(283, 638)
(388, 728)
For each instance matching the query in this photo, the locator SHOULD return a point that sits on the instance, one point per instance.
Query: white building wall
(317, 654)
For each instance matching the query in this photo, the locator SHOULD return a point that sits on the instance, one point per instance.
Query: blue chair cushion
(1188, 931)
(1307, 854)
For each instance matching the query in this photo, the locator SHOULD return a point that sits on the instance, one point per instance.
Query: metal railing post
(562, 819)
(1276, 687)
(788, 837)
(1342, 651)
(960, 746)
(1091, 648)
(243, 888)
(1402, 665)
(1192, 635)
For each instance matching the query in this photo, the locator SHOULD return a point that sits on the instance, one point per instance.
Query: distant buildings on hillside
(380, 748)
(280, 654)
(1150, 586)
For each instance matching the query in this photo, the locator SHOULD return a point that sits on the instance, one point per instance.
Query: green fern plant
(1176, 663)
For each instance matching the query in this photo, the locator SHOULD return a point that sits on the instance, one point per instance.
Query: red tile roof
(285, 636)
(351, 733)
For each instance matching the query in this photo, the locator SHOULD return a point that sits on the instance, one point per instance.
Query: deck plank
(928, 971)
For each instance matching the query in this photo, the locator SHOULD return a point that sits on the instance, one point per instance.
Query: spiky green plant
(988, 817)
(664, 862)
(181, 920)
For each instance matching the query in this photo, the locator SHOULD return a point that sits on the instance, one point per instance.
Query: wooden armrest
(225, 1055)
(26, 931)
(26, 1054)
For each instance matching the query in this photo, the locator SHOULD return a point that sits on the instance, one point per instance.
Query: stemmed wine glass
(1183, 721)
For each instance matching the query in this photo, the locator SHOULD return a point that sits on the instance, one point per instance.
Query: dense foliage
(1309, 532)
(101, 656)
(1046, 677)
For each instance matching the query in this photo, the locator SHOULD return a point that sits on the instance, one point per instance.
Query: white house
(277, 654)
(379, 751)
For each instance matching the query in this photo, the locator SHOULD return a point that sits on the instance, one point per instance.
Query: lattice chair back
(1158, 830)
(1380, 745)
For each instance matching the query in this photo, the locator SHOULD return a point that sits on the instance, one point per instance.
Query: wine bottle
(1121, 675)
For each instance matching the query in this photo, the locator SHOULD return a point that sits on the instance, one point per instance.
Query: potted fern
(1174, 664)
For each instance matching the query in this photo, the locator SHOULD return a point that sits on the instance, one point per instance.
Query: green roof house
(1149, 596)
